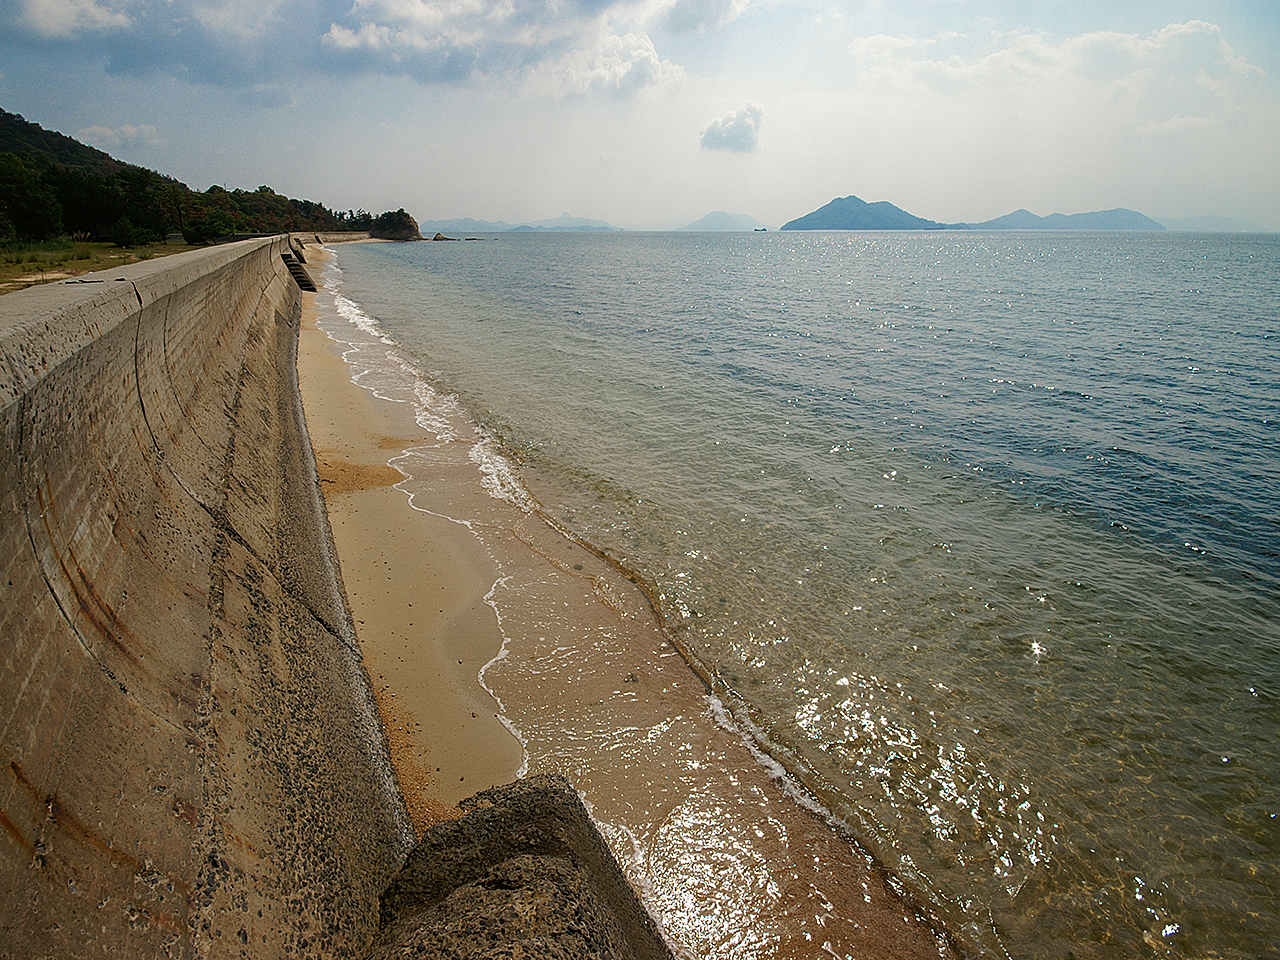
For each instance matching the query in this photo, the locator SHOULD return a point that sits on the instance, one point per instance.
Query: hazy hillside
(721, 222)
(853, 213)
(30, 141)
(51, 186)
(1119, 219)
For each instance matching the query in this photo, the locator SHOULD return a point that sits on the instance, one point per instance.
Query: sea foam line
(491, 599)
(437, 413)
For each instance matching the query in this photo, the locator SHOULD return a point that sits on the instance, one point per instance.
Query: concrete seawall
(190, 764)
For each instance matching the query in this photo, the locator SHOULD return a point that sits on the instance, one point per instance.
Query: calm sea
(980, 533)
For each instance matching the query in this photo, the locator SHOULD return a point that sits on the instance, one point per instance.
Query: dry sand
(729, 862)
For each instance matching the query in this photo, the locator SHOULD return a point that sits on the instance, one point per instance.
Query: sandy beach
(416, 584)
(443, 578)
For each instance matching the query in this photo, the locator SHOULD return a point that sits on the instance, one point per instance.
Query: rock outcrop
(395, 225)
(524, 873)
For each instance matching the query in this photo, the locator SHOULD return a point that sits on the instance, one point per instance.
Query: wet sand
(443, 578)
(416, 585)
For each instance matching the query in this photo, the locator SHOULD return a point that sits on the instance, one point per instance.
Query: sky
(652, 113)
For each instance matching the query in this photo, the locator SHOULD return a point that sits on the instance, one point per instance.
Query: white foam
(437, 412)
(491, 599)
(755, 741)
(498, 475)
(380, 366)
(351, 312)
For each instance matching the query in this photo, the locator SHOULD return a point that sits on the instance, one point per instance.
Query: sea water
(979, 533)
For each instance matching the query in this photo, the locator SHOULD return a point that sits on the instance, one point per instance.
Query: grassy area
(26, 264)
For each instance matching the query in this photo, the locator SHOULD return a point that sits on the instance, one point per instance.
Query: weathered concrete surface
(524, 873)
(189, 761)
(348, 236)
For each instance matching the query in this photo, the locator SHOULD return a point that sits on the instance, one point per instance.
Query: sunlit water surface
(979, 532)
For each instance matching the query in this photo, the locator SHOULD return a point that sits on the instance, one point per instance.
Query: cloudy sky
(655, 112)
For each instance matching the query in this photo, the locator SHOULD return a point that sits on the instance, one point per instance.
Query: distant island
(1119, 219)
(716, 222)
(853, 213)
(567, 224)
(721, 222)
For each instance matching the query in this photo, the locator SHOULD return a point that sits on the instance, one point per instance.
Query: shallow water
(978, 532)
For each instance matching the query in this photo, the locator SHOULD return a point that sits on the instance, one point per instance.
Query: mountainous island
(854, 213)
(842, 213)
(721, 222)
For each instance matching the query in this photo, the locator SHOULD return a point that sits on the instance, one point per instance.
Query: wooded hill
(51, 185)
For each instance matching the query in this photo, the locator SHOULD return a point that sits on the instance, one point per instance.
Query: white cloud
(617, 66)
(1174, 125)
(883, 50)
(738, 131)
(64, 18)
(682, 16)
(244, 20)
(369, 36)
(110, 137)
(1182, 72)
(557, 49)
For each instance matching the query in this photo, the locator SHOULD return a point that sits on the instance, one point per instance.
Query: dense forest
(54, 186)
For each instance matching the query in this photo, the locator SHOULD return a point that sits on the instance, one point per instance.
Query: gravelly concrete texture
(189, 759)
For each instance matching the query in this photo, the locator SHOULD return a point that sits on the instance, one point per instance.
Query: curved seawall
(190, 763)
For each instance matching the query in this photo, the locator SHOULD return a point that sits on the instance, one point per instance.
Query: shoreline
(422, 661)
(584, 682)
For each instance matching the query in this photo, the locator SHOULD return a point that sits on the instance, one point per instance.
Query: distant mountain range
(1119, 219)
(718, 222)
(561, 224)
(566, 223)
(853, 213)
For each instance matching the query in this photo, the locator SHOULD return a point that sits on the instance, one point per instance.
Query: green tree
(395, 225)
(29, 208)
(125, 234)
(209, 225)
(91, 202)
(146, 205)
